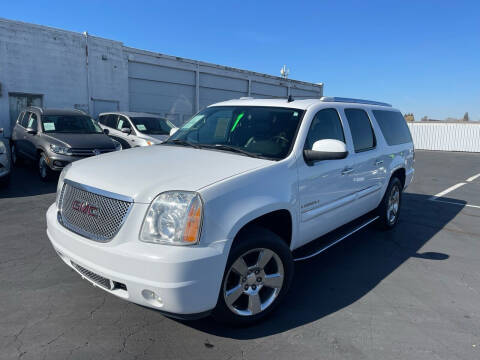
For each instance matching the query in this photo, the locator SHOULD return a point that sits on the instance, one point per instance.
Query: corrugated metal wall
(177, 88)
(446, 136)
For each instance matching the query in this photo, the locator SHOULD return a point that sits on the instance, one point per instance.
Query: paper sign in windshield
(141, 127)
(49, 126)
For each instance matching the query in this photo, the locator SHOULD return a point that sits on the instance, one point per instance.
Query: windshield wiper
(233, 149)
(182, 143)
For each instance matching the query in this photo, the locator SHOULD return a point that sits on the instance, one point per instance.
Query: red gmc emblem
(85, 208)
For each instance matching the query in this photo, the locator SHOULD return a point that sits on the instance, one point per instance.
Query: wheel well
(278, 222)
(400, 174)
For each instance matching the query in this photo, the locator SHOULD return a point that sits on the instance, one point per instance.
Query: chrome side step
(337, 240)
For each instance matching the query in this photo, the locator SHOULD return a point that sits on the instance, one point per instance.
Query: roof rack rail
(349, 100)
(37, 107)
(246, 98)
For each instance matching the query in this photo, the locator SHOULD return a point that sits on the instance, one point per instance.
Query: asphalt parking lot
(412, 293)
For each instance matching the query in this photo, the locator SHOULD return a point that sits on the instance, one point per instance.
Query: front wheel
(258, 274)
(14, 155)
(389, 208)
(43, 169)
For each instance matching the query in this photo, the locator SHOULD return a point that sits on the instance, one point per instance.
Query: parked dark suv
(53, 138)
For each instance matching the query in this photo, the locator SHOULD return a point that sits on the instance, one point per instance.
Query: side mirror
(173, 131)
(106, 131)
(127, 131)
(327, 149)
(1, 130)
(32, 131)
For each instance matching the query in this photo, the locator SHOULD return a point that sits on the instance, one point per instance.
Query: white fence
(446, 136)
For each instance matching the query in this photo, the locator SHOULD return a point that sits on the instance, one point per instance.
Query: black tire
(44, 171)
(15, 159)
(384, 210)
(5, 181)
(247, 244)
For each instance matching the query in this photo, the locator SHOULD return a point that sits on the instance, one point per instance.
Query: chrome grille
(91, 215)
(97, 279)
(88, 152)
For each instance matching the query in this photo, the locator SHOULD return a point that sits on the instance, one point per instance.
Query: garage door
(162, 90)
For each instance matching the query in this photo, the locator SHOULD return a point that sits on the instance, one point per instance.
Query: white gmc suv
(212, 220)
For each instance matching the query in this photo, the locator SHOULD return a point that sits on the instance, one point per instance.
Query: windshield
(152, 125)
(78, 124)
(259, 131)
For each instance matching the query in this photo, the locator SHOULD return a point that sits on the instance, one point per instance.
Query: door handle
(347, 171)
(379, 162)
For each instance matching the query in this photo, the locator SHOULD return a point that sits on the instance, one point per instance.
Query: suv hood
(143, 173)
(83, 141)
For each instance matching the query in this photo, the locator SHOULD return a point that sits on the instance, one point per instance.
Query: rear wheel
(43, 169)
(389, 208)
(257, 276)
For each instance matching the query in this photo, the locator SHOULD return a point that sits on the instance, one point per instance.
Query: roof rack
(349, 100)
(37, 107)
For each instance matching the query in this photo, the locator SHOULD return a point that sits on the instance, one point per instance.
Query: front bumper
(185, 279)
(57, 162)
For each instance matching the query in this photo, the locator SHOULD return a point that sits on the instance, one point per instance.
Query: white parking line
(455, 203)
(446, 191)
(470, 179)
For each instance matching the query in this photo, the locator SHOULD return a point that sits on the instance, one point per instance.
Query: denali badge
(85, 207)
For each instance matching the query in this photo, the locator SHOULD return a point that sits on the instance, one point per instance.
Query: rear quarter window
(394, 127)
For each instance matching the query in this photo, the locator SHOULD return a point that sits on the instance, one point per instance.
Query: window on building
(361, 129)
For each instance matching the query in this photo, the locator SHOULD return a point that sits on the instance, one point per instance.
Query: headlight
(175, 218)
(118, 146)
(3, 149)
(61, 179)
(61, 150)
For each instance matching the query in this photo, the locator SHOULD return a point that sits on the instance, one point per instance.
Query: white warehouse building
(43, 66)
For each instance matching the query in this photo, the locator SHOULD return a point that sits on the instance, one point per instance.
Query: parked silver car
(133, 129)
(4, 160)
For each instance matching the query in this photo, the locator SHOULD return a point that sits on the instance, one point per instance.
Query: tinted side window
(20, 117)
(110, 121)
(24, 121)
(361, 129)
(393, 126)
(123, 123)
(325, 125)
(101, 119)
(33, 122)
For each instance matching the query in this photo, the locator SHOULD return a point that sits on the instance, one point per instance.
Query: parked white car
(252, 185)
(5, 166)
(133, 129)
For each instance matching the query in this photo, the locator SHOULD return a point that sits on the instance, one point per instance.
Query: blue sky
(423, 56)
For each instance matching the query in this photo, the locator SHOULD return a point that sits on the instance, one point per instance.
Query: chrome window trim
(98, 191)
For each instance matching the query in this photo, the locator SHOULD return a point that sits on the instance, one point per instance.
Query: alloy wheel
(393, 204)
(42, 165)
(253, 282)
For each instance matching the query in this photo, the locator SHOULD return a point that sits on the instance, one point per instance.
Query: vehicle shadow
(25, 182)
(345, 273)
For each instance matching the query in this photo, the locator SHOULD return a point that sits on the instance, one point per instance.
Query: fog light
(58, 163)
(152, 298)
